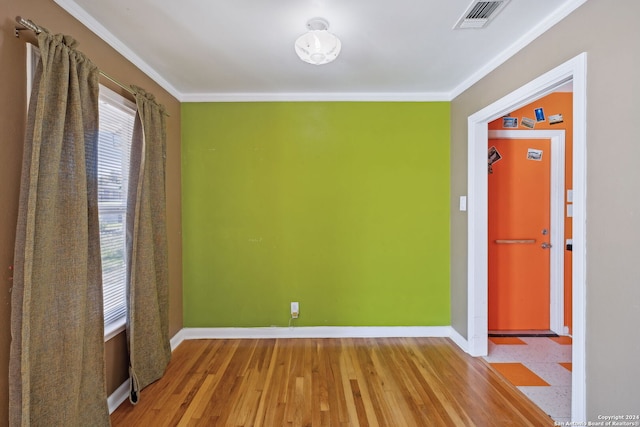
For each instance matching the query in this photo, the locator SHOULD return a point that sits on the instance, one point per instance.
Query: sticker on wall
(494, 156)
(533, 154)
(554, 119)
(509, 122)
(539, 114)
(528, 123)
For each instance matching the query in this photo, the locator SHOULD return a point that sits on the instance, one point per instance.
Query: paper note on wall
(533, 154)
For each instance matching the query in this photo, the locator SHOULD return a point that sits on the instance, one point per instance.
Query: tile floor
(540, 367)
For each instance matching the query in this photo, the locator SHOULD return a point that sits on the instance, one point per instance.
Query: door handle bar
(515, 241)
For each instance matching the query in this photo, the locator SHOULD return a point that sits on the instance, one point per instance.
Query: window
(117, 116)
(116, 119)
(33, 56)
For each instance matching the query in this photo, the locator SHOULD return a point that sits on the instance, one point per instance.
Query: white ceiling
(226, 50)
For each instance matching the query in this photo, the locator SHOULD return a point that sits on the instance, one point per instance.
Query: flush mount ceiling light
(318, 46)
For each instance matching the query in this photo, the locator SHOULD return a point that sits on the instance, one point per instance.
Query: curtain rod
(30, 25)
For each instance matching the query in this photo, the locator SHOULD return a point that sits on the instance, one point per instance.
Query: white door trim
(556, 214)
(573, 70)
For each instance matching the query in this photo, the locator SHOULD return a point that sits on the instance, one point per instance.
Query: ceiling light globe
(318, 47)
(317, 58)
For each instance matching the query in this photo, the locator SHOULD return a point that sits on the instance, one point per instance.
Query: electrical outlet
(295, 310)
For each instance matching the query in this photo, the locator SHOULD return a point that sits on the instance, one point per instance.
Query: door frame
(556, 216)
(574, 70)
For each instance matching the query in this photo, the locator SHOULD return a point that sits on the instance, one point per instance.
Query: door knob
(545, 245)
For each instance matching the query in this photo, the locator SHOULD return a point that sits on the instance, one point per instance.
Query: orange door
(519, 224)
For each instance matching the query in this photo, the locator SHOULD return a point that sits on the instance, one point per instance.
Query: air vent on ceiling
(480, 13)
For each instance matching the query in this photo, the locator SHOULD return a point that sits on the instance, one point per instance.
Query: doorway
(573, 70)
(526, 231)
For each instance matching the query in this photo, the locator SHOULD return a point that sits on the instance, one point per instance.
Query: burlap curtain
(148, 284)
(57, 372)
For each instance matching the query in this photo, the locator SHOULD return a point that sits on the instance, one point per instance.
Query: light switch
(569, 196)
(463, 203)
(569, 211)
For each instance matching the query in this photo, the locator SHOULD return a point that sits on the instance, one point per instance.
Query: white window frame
(33, 55)
(114, 99)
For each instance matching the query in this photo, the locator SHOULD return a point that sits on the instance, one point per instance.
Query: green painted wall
(343, 207)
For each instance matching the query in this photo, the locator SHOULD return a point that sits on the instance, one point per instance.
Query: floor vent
(480, 13)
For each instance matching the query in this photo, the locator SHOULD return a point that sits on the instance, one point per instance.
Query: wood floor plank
(328, 382)
(266, 386)
(341, 407)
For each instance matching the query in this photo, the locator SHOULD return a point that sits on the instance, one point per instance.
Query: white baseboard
(315, 332)
(459, 340)
(122, 393)
(117, 397)
(177, 339)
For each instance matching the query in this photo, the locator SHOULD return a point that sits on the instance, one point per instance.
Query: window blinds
(117, 117)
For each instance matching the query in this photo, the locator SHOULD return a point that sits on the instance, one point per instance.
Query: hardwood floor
(329, 382)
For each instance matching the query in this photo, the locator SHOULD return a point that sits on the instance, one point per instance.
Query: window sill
(114, 328)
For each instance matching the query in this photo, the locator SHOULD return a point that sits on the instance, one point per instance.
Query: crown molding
(517, 46)
(317, 97)
(96, 27)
